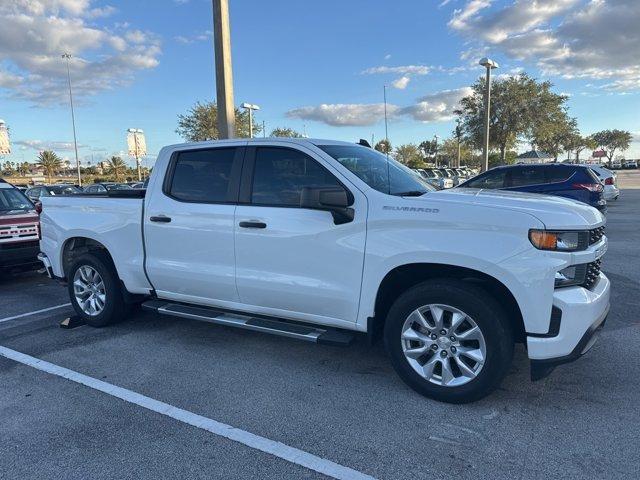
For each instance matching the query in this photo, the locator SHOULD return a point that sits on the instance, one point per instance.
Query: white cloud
(596, 39)
(199, 37)
(387, 56)
(342, 115)
(47, 145)
(34, 33)
(402, 69)
(401, 83)
(437, 107)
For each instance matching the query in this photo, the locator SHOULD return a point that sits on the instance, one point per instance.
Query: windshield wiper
(410, 193)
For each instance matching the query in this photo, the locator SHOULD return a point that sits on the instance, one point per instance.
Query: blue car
(577, 182)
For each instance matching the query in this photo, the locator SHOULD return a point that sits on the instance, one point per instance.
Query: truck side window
(490, 180)
(280, 174)
(202, 175)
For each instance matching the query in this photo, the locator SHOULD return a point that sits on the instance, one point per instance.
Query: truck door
(189, 223)
(290, 261)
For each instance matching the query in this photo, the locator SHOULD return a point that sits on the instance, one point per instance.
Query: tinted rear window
(202, 175)
(558, 174)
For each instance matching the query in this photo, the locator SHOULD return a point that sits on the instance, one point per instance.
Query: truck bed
(113, 220)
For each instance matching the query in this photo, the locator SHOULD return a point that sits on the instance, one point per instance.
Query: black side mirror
(332, 199)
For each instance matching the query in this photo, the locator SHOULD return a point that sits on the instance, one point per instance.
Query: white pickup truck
(318, 240)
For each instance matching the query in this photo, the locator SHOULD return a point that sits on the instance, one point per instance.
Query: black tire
(487, 314)
(115, 307)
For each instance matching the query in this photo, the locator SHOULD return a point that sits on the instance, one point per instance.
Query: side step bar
(274, 326)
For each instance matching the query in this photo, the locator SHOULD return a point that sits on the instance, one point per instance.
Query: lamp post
(67, 57)
(435, 149)
(458, 135)
(386, 129)
(251, 107)
(489, 65)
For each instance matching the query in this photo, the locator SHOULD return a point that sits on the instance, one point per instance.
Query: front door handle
(161, 219)
(252, 224)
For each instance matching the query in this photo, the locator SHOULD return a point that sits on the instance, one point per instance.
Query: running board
(284, 328)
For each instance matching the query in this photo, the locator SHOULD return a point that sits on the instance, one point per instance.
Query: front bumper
(583, 314)
(19, 254)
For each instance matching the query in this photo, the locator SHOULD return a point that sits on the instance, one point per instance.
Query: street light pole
(67, 56)
(458, 135)
(386, 128)
(251, 107)
(435, 149)
(489, 65)
(224, 69)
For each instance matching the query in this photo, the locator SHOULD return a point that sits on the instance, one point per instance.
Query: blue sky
(316, 64)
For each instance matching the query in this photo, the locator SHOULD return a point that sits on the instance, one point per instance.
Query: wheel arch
(403, 277)
(76, 246)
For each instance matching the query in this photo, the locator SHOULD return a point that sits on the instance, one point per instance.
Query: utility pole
(264, 130)
(458, 135)
(224, 69)
(386, 128)
(435, 149)
(67, 56)
(489, 65)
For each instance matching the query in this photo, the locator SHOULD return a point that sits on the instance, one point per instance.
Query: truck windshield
(12, 199)
(378, 171)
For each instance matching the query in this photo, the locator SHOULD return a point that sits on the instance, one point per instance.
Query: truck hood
(553, 212)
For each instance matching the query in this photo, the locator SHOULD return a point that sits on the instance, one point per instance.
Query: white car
(630, 164)
(609, 180)
(319, 240)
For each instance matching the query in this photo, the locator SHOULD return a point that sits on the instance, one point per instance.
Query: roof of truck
(236, 141)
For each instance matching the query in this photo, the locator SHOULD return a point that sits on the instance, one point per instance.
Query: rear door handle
(252, 224)
(160, 219)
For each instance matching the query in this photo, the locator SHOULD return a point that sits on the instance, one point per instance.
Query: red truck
(19, 230)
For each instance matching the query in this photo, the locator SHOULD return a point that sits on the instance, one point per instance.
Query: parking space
(342, 405)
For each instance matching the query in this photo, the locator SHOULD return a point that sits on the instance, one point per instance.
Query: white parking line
(35, 312)
(277, 449)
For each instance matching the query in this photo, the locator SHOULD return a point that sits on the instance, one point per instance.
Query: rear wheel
(449, 340)
(94, 289)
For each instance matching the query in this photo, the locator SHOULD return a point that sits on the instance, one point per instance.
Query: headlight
(573, 275)
(567, 241)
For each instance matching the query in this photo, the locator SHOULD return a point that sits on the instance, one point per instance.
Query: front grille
(592, 273)
(16, 245)
(595, 235)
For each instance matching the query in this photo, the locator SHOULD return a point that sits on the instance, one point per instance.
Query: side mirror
(332, 199)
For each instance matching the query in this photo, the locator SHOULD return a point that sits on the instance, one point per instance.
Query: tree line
(116, 168)
(524, 111)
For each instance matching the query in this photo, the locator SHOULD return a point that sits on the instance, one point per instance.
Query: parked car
(630, 164)
(318, 240)
(105, 187)
(608, 180)
(462, 174)
(440, 181)
(577, 182)
(430, 177)
(19, 229)
(449, 173)
(616, 164)
(39, 191)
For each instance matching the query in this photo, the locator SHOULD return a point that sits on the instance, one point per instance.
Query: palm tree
(50, 162)
(116, 167)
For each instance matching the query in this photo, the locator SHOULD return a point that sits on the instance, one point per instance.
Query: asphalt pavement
(342, 406)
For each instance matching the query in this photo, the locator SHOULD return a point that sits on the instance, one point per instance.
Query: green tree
(448, 151)
(612, 140)
(409, 155)
(554, 133)
(116, 167)
(428, 148)
(200, 123)
(383, 146)
(518, 104)
(23, 168)
(50, 162)
(285, 132)
(8, 168)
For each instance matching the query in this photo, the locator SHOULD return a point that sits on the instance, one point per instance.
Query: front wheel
(449, 340)
(94, 289)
